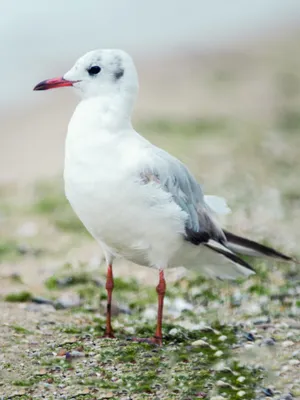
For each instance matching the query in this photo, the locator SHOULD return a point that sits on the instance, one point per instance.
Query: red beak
(53, 83)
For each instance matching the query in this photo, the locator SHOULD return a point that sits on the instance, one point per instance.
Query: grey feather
(176, 179)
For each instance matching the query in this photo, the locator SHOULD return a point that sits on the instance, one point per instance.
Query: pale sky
(39, 35)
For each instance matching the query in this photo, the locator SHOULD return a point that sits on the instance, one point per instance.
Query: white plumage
(137, 200)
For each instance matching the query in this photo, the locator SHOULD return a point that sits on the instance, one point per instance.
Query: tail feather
(248, 247)
(221, 249)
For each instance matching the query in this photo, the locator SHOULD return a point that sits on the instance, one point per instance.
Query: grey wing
(200, 228)
(176, 179)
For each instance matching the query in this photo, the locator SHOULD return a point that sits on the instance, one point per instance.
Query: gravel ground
(222, 341)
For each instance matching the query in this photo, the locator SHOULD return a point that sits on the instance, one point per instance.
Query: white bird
(135, 199)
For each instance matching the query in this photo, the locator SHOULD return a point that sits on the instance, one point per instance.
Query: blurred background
(220, 89)
(202, 60)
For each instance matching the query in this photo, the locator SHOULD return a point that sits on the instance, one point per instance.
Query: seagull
(138, 201)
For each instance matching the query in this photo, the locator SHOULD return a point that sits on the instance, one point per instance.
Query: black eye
(94, 70)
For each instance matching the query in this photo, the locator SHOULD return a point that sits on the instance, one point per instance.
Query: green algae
(20, 329)
(18, 297)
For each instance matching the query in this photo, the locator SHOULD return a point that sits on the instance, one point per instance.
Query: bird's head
(98, 73)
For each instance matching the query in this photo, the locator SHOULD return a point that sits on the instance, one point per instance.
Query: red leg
(109, 287)
(161, 290)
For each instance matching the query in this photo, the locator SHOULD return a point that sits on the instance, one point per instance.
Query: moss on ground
(191, 364)
(181, 369)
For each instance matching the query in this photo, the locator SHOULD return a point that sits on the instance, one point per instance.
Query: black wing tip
(260, 248)
(195, 237)
(233, 257)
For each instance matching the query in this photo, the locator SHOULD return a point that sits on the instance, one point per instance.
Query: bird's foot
(155, 340)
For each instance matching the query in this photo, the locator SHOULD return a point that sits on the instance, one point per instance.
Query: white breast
(133, 220)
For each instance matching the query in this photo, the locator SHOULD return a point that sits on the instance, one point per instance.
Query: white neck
(106, 112)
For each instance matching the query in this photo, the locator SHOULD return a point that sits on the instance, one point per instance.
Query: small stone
(288, 343)
(68, 300)
(241, 379)
(268, 342)
(201, 343)
(250, 337)
(285, 368)
(173, 331)
(268, 392)
(28, 229)
(222, 384)
(296, 353)
(74, 354)
(282, 325)
(290, 334)
(42, 371)
(294, 362)
(219, 353)
(262, 320)
(287, 397)
(19, 393)
(72, 339)
(241, 393)
(222, 338)
(253, 308)
(149, 313)
(130, 330)
(61, 352)
(236, 299)
(108, 395)
(217, 398)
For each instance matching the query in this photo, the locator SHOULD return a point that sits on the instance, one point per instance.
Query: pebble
(28, 229)
(218, 353)
(75, 354)
(222, 384)
(294, 362)
(287, 397)
(250, 337)
(217, 398)
(268, 342)
(149, 313)
(285, 368)
(268, 392)
(173, 331)
(241, 379)
(296, 353)
(262, 320)
(282, 325)
(222, 338)
(236, 299)
(68, 300)
(180, 304)
(130, 330)
(253, 308)
(288, 343)
(241, 393)
(201, 343)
